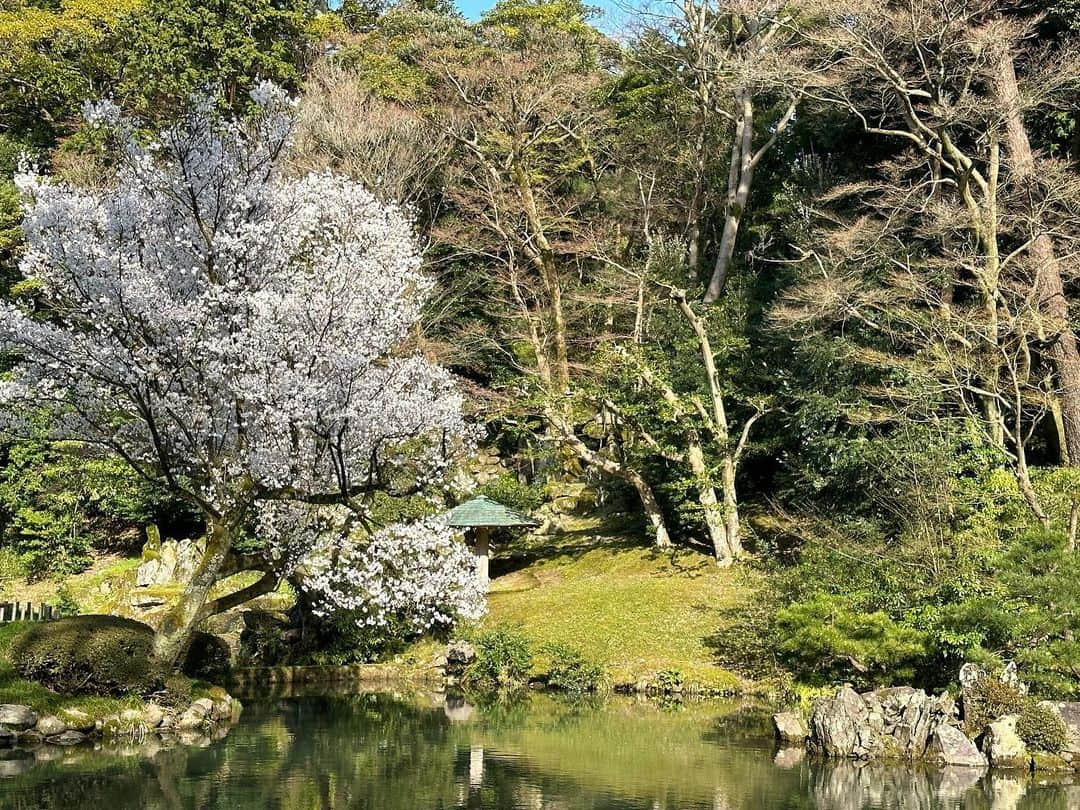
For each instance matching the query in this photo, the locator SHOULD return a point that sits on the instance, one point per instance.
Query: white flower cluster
(418, 576)
(233, 329)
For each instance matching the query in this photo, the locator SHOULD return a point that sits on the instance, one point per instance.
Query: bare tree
(941, 77)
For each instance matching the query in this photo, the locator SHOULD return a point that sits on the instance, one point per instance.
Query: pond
(382, 751)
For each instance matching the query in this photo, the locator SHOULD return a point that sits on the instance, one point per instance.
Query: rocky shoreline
(992, 724)
(205, 719)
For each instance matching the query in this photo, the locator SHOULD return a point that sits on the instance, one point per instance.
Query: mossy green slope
(635, 610)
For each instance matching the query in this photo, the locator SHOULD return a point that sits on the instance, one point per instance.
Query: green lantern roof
(483, 511)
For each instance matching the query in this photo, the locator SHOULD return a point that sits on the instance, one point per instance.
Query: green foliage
(670, 680)
(827, 638)
(568, 670)
(57, 502)
(988, 699)
(65, 601)
(99, 655)
(503, 661)
(178, 47)
(507, 489)
(345, 640)
(1041, 728)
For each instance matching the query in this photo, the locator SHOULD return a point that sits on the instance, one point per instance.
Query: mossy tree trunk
(174, 634)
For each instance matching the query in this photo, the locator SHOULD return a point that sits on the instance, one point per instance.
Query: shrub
(988, 699)
(1041, 728)
(508, 490)
(828, 638)
(669, 680)
(101, 655)
(65, 601)
(208, 658)
(503, 660)
(569, 671)
(106, 655)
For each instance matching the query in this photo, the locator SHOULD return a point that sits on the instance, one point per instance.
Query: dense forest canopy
(793, 282)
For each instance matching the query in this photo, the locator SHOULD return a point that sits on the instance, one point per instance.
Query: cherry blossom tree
(236, 333)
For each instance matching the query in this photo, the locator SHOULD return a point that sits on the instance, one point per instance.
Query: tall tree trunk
(173, 636)
(716, 517)
(740, 178)
(1049, 287)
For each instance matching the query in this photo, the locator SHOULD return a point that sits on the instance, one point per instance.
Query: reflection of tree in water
(375, 752)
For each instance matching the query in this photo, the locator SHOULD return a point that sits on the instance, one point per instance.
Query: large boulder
(895, 722)
(950, 746)
(790, 727)
(841, 727)
(908, 717)
(1003, 746)
(49, 725)
(17, 717)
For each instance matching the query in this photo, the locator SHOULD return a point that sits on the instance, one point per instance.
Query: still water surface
(388, 752)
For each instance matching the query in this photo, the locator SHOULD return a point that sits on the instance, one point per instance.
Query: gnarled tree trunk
(174, 634)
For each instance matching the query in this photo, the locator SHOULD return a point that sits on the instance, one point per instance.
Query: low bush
(100, 655)
(988, 699)
(503, 660)
(1041, 728)
(106, 655)
(828, 639)
(207, 658)
(569, 671)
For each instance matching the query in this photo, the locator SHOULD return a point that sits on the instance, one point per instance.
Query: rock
(147, 573)
(202, 706)
(222, 710)
(68, 738)
(7, 738)
(190, 721)
(77, 720)
(17, 717)
(31, 739)
(1070, 715)
(840, 727)
(459, 654)
(1010, 676)
(950, 746)
(145, 601)
(790, 727)
(153, 715)
(1003, 746)
(131, 717)
(971, 674)
(49, 725)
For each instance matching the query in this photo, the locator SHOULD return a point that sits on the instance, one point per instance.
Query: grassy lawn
(633, 609)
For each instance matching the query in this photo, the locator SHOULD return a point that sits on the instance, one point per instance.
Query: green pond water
(387, 751)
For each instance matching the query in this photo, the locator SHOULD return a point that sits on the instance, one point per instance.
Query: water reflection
(421, 752)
